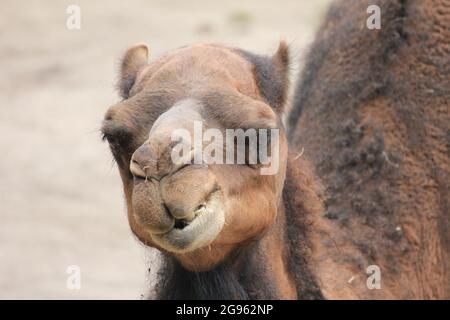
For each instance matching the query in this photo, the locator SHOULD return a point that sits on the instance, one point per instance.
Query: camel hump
(371, 111)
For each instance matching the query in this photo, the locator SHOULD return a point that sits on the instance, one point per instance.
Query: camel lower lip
(200, 232)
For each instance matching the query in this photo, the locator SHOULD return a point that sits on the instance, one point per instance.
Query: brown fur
(372, 111)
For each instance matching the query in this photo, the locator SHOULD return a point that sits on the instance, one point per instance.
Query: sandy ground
(61, 202)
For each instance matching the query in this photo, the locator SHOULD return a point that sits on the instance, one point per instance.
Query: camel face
(181, 204)
(197, 211)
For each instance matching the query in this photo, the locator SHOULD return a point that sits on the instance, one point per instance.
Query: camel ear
(272, 75)
(134, 60)
(281, 75)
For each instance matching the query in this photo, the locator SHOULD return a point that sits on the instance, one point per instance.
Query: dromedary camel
(372, 112)
(226, 231)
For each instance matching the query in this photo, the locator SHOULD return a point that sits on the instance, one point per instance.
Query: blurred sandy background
(61, 201)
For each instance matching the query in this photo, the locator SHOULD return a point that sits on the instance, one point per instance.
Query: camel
(372, 112)
(223, 229)
(227, 232)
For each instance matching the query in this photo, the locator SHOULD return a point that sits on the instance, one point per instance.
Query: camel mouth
(198, 231)
(182, 223)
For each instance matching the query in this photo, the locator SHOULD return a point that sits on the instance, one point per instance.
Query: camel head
(171, 135)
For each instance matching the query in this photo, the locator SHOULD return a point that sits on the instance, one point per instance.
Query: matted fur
(372, 110)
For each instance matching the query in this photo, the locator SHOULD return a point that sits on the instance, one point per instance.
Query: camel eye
(120, 141)
(114, 142)
(116, 134)
(108, 137)
(114, 145)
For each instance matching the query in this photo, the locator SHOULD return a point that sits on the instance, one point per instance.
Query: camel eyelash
(104, 136)
(114, 144)
(116, 134)
(118, 146)
(110, 138)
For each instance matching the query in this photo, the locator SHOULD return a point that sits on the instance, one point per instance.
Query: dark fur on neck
(246, 279)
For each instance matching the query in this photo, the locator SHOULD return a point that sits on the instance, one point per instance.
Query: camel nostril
(136, 169)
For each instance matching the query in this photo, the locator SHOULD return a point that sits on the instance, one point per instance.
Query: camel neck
(246, 274)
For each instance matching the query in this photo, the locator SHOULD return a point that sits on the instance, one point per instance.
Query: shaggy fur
(302, 203)
(221, 283)
(372, 111)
